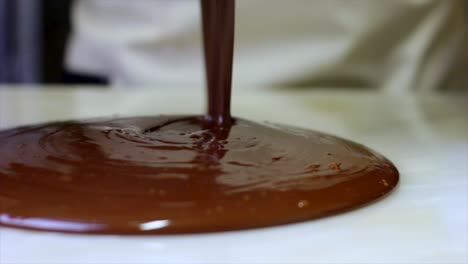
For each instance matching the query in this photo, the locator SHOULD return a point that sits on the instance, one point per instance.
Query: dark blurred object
(75, 78)
(55, 31)
(33, 36)
(56, 17)
(20, 41)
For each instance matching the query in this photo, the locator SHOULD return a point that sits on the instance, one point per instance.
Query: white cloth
(392, 45)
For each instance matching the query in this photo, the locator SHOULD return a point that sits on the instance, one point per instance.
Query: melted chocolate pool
(180, 174)
(183, 174)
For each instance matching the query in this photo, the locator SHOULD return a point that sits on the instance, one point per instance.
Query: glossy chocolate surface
(179, 175)
(183, 174)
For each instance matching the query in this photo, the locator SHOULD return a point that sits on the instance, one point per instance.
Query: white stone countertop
(423, 221)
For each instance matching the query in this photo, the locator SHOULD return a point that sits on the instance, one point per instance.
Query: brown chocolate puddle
(183, 174)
